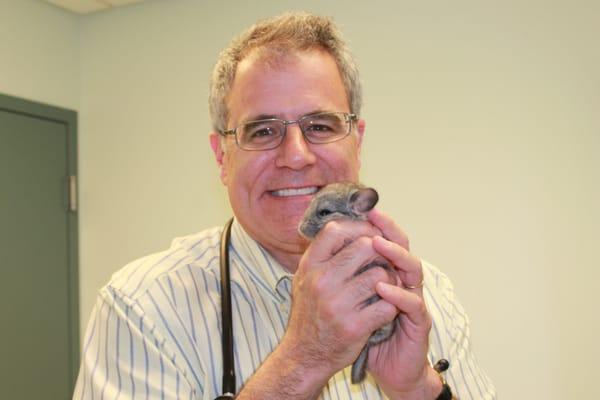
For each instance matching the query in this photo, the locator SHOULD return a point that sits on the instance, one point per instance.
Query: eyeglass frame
(349, 118)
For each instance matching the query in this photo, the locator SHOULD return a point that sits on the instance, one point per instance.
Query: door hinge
(72, 193)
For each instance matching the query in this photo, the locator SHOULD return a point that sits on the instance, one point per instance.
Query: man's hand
(400, 364)
(329, 324)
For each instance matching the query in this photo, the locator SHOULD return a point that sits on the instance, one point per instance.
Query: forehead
(286, 85)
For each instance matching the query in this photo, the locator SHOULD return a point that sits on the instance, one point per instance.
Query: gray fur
(348, 200)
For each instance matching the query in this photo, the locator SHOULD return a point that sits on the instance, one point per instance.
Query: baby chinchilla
(348, 200)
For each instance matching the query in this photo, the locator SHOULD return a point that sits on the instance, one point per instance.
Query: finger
(389, 228)
(407, 264)
(362, 286)
(377, 314)
(410, 304)
(337, 234)
(336, 275)
(356, 259)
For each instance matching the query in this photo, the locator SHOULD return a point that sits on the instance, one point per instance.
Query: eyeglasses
(267, 134)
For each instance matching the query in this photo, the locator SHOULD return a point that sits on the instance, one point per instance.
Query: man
(285, 99)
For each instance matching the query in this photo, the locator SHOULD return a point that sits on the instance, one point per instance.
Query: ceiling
(90, 6)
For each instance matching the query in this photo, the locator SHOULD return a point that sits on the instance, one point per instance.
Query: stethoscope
(226, 323)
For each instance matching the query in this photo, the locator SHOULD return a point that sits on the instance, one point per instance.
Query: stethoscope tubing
(226, 322)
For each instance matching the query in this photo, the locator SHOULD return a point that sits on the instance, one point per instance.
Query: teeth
(295, 192)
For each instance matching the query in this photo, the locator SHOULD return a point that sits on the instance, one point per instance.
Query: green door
(38, 296)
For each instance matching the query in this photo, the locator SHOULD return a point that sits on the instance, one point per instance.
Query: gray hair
(288, 32)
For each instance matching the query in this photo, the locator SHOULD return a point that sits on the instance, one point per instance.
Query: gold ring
(418, 286)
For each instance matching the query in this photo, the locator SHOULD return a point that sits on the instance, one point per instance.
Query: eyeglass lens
(317, 128)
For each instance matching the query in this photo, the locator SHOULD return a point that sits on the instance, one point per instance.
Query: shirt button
(284, 309)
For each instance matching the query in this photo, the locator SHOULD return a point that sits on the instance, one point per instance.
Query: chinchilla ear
(363, 200)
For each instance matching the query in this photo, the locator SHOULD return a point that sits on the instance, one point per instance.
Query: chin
(287, 232)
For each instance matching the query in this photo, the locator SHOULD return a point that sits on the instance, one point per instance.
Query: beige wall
(39, 53)
(483, 136)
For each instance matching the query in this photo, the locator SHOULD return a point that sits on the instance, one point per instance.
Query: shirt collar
(268, 274)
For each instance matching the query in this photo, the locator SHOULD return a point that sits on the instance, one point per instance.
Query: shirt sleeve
(125, 356)
(450, 339)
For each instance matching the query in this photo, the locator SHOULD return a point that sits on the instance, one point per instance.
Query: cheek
(243, 169)
(232, 170)
(345, 160)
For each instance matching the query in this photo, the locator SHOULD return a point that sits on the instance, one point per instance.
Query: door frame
(68, 118)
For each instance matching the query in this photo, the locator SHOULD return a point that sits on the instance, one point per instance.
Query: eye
(324, 212)
(319, 128)
(325, 127)
(260, 130)
(261, 133)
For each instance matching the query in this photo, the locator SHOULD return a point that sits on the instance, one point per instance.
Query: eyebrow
(273, 116)
(261, 116)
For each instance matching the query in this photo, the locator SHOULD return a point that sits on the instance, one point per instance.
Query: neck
(287, 252)
(288, 259)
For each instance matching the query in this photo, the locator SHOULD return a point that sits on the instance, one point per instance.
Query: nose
(295, 152)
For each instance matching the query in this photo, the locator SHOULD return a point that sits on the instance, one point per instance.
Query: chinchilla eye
(324, 212)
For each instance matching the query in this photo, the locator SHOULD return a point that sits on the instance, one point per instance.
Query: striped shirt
(155, 332)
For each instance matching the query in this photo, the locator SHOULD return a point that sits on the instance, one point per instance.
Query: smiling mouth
(295, 191)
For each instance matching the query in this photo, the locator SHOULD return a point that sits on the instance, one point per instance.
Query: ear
(360, 128)
(363, 200)
(216, 143)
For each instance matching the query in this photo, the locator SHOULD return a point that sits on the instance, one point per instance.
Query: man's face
(269, 190)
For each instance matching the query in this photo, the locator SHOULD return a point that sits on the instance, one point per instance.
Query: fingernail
(382, 241)
(384, 287)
